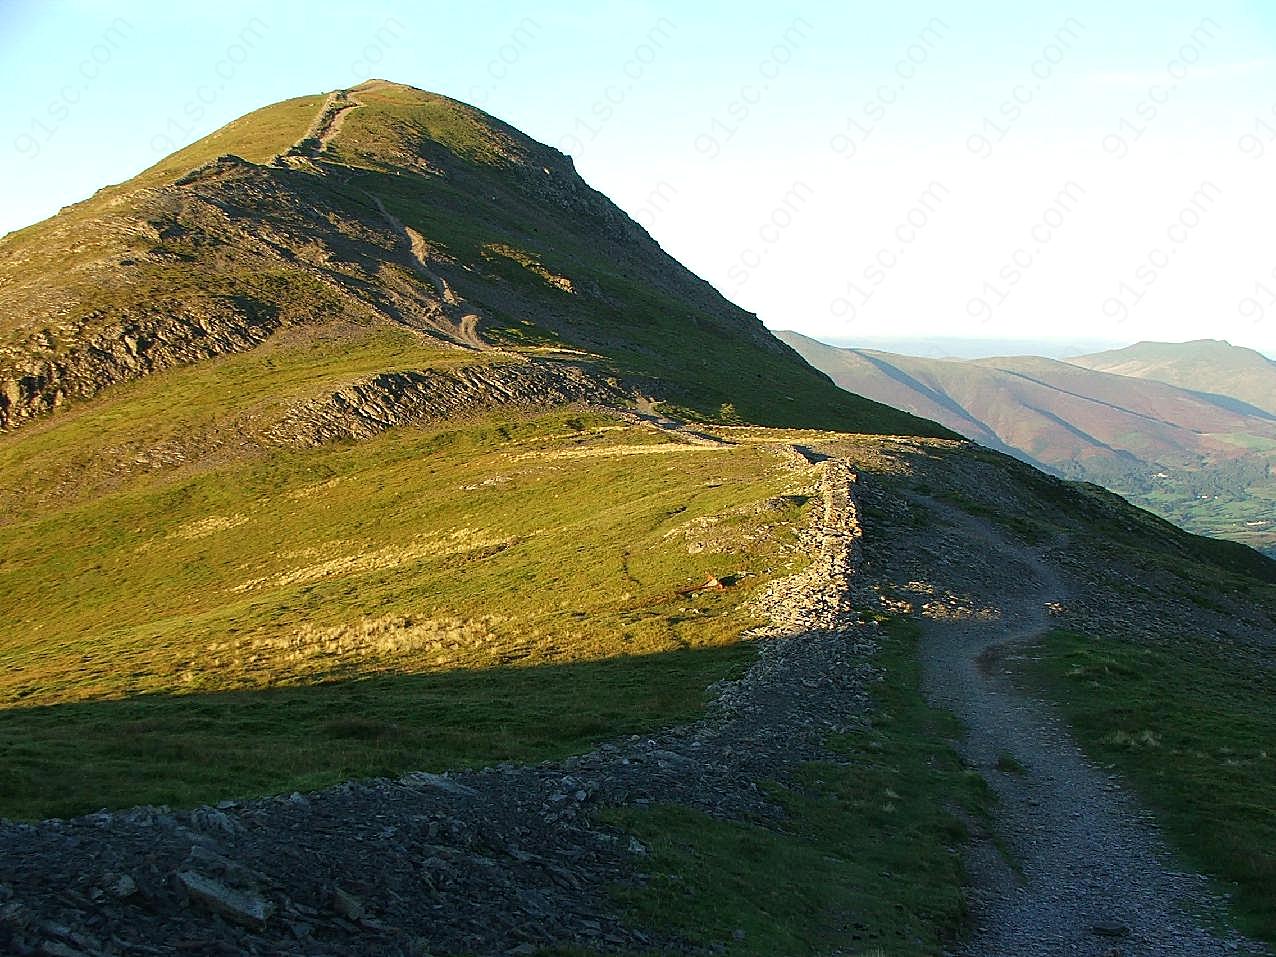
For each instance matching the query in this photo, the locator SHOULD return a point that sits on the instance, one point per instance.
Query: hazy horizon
(960, 347)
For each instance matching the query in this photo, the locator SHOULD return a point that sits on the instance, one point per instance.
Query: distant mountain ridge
(1199, 456)
(953, 347)
(1212, 366)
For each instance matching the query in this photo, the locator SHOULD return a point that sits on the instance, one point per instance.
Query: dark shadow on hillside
(182, 750)
(942, 399)
(1231, 404)
(814, 456)
(658, 327)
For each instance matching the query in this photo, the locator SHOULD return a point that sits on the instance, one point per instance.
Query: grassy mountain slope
(169, 564)
(383, 205)
(1197, 459)
(1211, 366)
(330, 413)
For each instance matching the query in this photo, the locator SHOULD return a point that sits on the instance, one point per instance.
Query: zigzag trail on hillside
(452, 321)
(463, 328)
(506, 860)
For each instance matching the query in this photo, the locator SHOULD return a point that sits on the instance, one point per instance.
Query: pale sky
(1088, 170)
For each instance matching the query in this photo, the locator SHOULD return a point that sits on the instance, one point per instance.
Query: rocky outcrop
(35, 382)
(836, 552)
(213, 264)
(380, 402)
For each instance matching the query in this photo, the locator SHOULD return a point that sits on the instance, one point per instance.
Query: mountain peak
(1212, 367)
(1192, 348)
(388, 205)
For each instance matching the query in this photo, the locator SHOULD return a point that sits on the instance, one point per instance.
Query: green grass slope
(185, 607)
(189, 599)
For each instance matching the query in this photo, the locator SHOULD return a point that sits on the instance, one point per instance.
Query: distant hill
(1200, 459)
(1205, 365)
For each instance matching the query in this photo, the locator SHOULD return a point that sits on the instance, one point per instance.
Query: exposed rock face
(231, 253)
(35, 384)
(383, 401)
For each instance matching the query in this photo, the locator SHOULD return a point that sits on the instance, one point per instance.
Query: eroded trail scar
(453, 319)
(333, 118)
(1081, 869)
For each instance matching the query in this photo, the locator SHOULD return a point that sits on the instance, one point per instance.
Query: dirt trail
(336, 119)
(328, 122)
(454, 320)
(421, 252)
(1094, 878)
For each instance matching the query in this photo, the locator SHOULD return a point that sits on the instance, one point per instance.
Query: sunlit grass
(509, 542)
(1193, 728)
(257, 137)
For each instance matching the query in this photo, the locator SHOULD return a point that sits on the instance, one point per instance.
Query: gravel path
(1093, 877)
